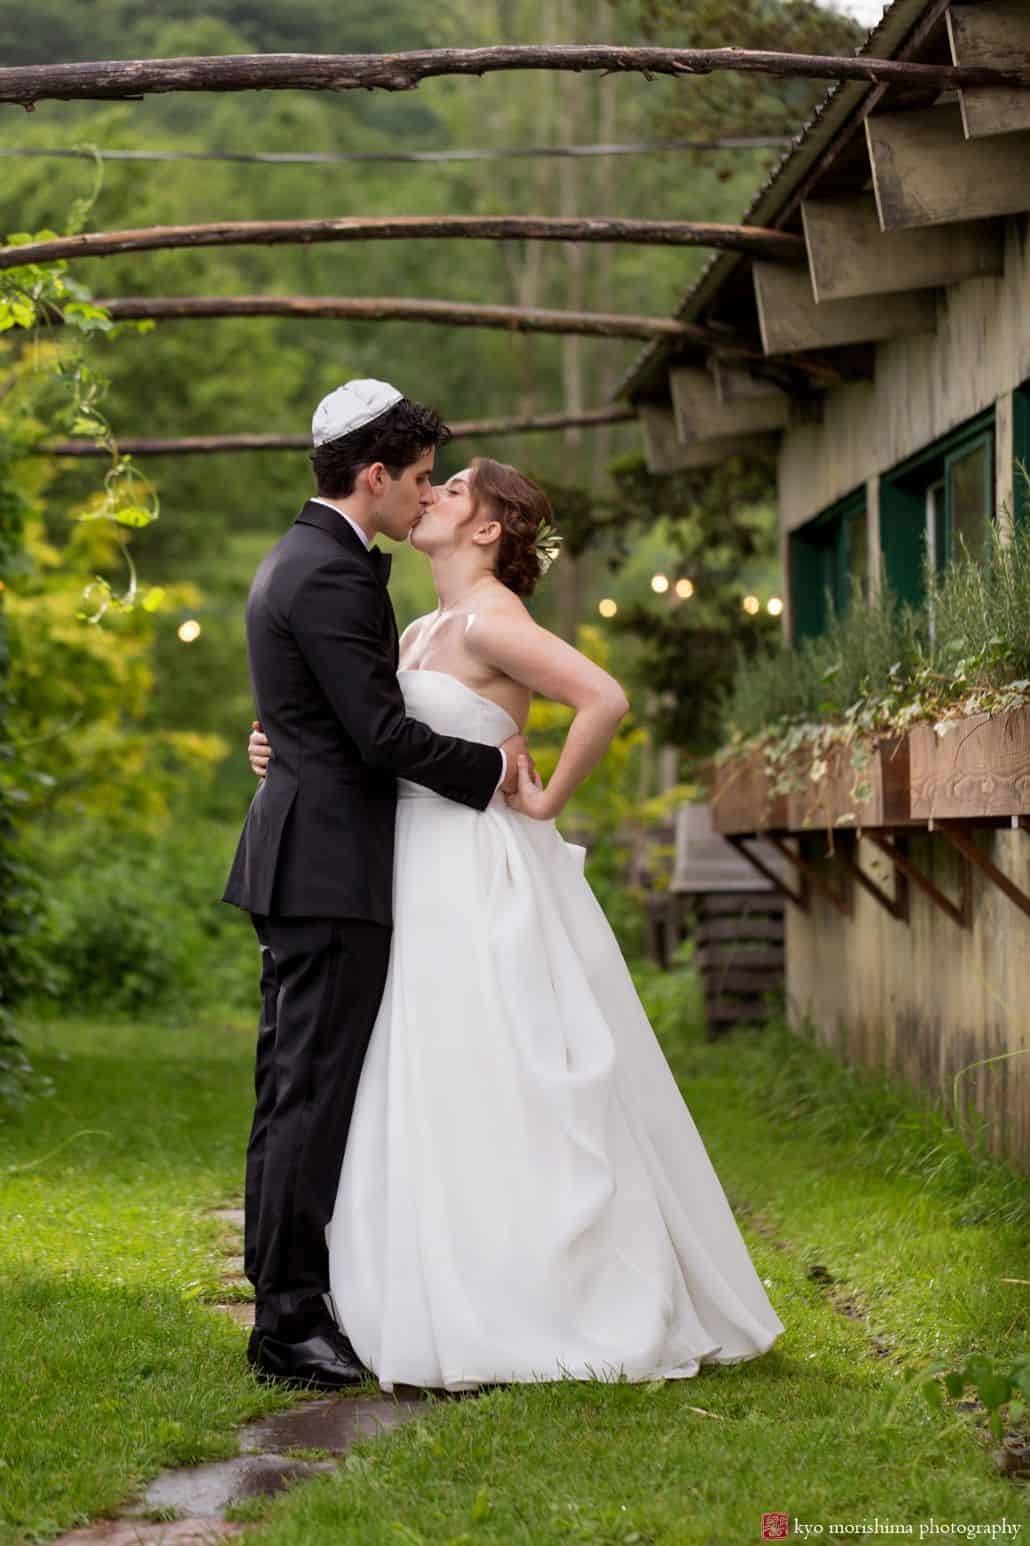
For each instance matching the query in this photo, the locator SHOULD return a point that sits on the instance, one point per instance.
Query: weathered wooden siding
(924, 386)
(926, 999)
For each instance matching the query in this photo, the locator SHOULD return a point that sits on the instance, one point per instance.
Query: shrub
(134, 922)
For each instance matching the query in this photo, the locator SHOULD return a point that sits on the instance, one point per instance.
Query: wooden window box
(830, 800)
(980, 767)
(742, 801)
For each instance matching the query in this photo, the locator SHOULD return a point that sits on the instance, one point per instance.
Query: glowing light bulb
(751, 605)
(189, 630)
(660, 583)
(774, 606)
(684, 588)
(607, 607)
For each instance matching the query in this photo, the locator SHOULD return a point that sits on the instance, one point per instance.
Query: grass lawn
(110, 1366)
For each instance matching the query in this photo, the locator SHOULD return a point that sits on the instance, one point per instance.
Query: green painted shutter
(903, 540)
(1021, 453)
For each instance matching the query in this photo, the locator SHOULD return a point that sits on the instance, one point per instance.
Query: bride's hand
(531, 798)
(259, 750)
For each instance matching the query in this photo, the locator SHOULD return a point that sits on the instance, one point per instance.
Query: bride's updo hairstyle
(522, 508)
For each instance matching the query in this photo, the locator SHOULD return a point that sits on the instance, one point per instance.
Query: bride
(524, 1194)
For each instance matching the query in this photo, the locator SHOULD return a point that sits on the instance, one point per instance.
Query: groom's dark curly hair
(396, 438)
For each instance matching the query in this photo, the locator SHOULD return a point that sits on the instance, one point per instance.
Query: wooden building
(892, 368)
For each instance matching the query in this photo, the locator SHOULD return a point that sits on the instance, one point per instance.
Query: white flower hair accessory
(547, 545)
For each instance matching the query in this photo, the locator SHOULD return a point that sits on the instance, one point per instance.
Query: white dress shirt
(367, 543)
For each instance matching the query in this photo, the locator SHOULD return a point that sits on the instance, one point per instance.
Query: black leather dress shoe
(324, 1360)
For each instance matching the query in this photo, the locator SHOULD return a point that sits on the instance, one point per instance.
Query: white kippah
(351, 407)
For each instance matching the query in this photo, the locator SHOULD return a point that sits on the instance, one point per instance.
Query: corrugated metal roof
(881, 42)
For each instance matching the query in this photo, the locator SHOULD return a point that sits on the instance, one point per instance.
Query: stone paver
(206, 1491)
(333, 1425)
(232, 1216)
(199, 1496)
(135, 1532)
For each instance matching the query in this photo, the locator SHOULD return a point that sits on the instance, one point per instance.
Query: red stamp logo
(775, 1527)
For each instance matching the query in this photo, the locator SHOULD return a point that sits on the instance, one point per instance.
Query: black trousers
(322, 981)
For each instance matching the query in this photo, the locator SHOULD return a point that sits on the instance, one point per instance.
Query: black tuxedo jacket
(322, 648)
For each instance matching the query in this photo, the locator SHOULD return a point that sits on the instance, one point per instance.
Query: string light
(189, 630)
(660, 583)
(607, 607)
(751, 604)
(774, 606)
(684, 589)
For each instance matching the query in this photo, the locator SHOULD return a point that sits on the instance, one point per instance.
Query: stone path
(194, 1499)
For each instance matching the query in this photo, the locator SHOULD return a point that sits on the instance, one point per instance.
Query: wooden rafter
(405, 228)
(849, 256)
(117, 79)
(925, 172)
(194, 445)
(515, 319)
(701, 413)
(982, 34)
(664, 451)
(791, 318)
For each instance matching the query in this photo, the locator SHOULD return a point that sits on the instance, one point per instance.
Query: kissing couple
(469, 1162)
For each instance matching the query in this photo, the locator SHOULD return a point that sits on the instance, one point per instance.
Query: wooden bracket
(896, 905)
(960, 912)
(960, 839)
(810, 875)
(799, 897)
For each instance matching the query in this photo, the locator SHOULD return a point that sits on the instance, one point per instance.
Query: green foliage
(19, 895)
(720, 525)
(883, 666)
(115, 721)
(768, 105)
(1002, 1386)
(861, 659)
(134, 920)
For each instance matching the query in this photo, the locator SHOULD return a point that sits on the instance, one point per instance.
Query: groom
(314, 865)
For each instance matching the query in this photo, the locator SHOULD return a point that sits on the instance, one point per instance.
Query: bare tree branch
(134, 78)
(430, 157)
(513, 319)
(192, 445)
(241, 233)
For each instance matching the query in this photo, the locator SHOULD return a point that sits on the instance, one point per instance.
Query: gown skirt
(524, 1193)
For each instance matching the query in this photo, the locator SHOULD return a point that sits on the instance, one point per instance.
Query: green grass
(825, 1168)
(109, 1369)
(110, 1366)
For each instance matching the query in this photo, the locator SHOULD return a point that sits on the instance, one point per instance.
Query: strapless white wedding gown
(524, 1194)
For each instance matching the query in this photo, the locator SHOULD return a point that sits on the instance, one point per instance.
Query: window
(937, 503)
(829, 564)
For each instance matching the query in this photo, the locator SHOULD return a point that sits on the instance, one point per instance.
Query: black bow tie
(381, 563)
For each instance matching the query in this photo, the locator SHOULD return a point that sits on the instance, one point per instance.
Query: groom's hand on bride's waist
(514, 747)
(259, 750)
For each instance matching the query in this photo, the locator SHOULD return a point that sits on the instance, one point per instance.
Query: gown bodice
(447, 706)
